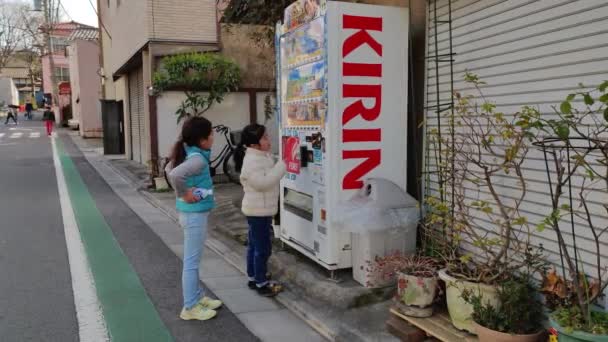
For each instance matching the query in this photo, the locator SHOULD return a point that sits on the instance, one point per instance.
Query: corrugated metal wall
(136, 114)
(529, 53)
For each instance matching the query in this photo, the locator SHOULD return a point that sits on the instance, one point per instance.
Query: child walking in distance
(11, 114)
(49, 120)
(190, 176)
(260, 178)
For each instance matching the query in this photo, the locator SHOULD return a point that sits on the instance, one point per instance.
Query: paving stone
(226, 283)
(216, 267)
(245, 300)
(278, 326)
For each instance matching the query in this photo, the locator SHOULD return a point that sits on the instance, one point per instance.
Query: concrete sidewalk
(268, 319)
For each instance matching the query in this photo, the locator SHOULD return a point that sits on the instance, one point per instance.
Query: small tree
(13, 31)
(473, 153)
(576, 152)
(205, 78)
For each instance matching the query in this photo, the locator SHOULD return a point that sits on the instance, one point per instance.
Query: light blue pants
(195, 233)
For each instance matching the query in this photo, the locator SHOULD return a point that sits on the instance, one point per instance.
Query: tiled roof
(71, 25)
(84, 34)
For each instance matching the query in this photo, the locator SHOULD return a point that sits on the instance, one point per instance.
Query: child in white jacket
(260, 178)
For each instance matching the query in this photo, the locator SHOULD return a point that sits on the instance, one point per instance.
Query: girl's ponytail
(178, 153)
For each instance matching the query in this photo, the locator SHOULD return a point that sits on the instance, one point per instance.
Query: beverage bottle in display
(201, 194)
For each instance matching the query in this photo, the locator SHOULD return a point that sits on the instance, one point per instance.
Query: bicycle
(225, 158)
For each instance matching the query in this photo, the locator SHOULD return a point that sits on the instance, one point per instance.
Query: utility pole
(48, 25)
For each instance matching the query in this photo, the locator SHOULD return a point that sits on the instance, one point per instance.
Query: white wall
(270, 123)
(232, 112)
(8, 92)
(74, 81)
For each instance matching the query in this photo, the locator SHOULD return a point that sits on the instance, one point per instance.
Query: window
(61, 74)
(59, 45)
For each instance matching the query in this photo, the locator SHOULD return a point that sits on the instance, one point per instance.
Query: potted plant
(566, 317)
(417, 283)
(416, 277)
(160, 182)
(479, 231)
(575, 148)
(517, 317)
(158, 174)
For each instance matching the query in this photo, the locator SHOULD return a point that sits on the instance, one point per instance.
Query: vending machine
(342, 99)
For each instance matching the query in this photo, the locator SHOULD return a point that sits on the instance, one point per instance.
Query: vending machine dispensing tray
(298, 203)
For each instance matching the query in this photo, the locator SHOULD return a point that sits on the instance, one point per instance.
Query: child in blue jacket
(190, 176)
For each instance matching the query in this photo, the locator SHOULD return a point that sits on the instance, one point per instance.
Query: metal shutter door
(529, 53)
(136, 113)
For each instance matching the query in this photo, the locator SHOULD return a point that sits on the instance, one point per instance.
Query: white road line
(2, 134)
(35, 135)
(16, 135)
(91, 324)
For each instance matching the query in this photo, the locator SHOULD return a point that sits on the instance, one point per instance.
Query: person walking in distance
(12, 114)
(190, 176)
(28, 110)
(260, 177)
(49, 120)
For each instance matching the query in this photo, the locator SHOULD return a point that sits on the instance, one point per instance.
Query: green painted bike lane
(129, 314)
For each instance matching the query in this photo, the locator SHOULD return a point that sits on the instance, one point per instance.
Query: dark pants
(259, 248)
(11, 116)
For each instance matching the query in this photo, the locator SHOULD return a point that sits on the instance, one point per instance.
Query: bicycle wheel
(230, 168)
(167, 161)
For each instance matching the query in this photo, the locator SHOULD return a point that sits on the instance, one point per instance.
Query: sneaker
(251, 285)
(197, 312)
(266, 291)
(211, 304)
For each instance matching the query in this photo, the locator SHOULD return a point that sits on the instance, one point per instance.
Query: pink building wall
(86, 87)
(60, 61)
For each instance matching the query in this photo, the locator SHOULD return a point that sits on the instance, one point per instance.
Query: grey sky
(81, 11)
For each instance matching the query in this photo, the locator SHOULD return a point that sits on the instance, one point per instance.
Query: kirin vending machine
(342, 90)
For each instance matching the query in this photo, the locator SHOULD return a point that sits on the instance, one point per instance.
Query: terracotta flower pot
(416, 291)
(461, 311)
(488, 335)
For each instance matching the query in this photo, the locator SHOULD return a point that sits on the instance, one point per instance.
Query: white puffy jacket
(260, 178)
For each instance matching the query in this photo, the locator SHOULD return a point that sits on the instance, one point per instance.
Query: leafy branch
(205, 78)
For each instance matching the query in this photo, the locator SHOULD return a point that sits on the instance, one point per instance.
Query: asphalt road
(36, 298)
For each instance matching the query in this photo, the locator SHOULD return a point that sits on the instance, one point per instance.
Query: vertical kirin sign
(372, 89)
(370, 67)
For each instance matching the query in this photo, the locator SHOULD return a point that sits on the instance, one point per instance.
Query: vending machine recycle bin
(382, 219)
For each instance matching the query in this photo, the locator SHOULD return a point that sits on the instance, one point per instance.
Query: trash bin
(383, 219)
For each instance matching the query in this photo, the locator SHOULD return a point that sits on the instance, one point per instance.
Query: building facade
(83, 56)
(132, 49)
(135, 36)
(23, 68)
(56, 68)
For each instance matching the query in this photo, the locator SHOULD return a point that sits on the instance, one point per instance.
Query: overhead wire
(100, 21)
(65, 11)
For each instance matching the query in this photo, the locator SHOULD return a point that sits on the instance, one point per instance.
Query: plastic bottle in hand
(201, 194)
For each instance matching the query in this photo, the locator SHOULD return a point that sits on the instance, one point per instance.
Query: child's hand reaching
(190, 197)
